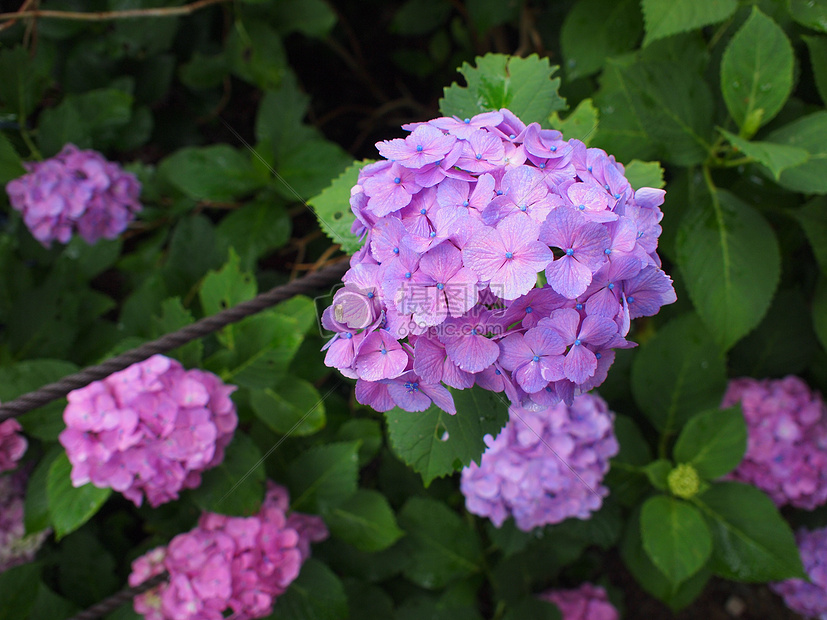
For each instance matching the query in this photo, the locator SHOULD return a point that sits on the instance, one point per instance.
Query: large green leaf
(172, 317)
(664, 19)
(753, 542)
(580, 124)
(810, 13)
(293, 407)
(731, 263)
(365, 520)
(235, 486)
(436, 443)
(650, 577)
(776, 157)
(813, 219)
(677, 373)
(19, 586)
(594, 30)
(644, 174)
(654, 110)
(756, 72)
(219, 172)
(69, 506)
(817, 47)
(316, 594)
(675, 536)
(332, 209)
(227, 287)
(11, 166)
(258, 228)
(37, 500)
(442, 547)
(820, 311)
(809, 133)
(323, 477)
(713, 442)
(523, 85)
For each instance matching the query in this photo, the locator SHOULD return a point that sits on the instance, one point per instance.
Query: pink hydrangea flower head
(148, 430)
(545, 466)
(76, 191)
(12, 444)
(15, 546)
(588, 602)
(468, 217)
(228, 564)
(787, 439)
(808, 598)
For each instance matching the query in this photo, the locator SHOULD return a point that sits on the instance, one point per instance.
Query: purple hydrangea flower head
(76, 191)
(808, 598)
(16, 547)
(461, 221)
(520, 475)
(12, 444)
(240, 564)
(588, 602)
(786, 442)
(148, 430)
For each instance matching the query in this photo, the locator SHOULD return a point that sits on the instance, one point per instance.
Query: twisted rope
(111, 603)
(173, 340)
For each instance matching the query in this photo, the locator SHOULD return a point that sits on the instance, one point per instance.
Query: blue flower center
(548, 389)
(611, 286)
(509, 255)
(418, 148)
(552, 148)
(467, 121)
(581, 207)
(423, 211)
(523, 208)
(371, 295)
(397, 180)
(348, 335)
(598, 355)
(474, 331)
(412, 386)
(396, 250)
(465, 203)
(570, 251)
(579, 306)
(630, 299)
(577, 342)
(617, 196)
(607, 251)
(589, 168)
(499, 192)
(432, 234)
(407, 274)
(479, 155)
(497, 372)
(383, 351)
(440, 286)
(512, 136)
(542, 166)
(529, 310)
(536, 358)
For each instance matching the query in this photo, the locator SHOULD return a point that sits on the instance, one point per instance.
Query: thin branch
(23, 7)
(173, 11)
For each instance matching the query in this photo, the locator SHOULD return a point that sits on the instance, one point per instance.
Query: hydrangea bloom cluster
(15, 546)
(459, 219)
(588, 602)
(787, 439)
(808, 599)
(150, 429)
(75, 191)
(520, 476)
(12, 445)
(240, 563)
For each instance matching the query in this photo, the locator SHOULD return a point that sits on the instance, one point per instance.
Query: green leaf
(216, 173)
(626, 481)
(654, 110)
(731, 263)
(202, 71)
(37, 500)
(810, 13)
(255, 230)
(323, 477)
(753, 542)
(192, 252)
(645, 174)
(488, 14)
(675, 536)
(226, 287)
(420, 440)
(50, 605)
(316, 594)
(657, 472)
(24, 78)
(664, 19)
(236, 485)
(262, 347)
(523, 85)
(650, 577)
(756, 72)
(307, 169)
(580, 124)
(677, 373)
(441, 546)
(534, 608)
(595, 30)
(256, 54)
(332, 209)
(818, 61)
(292, 407)
(776, 157)
(417, 17)
(11, 167)
(174, 316)
(368, 432)
(19, 586)
(713, 442)
(813, 219)
(71, 507)
(86, 569)
(17, 379)
(365, 520)
(810, 133)
(313, 18)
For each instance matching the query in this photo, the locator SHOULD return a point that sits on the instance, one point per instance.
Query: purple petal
(580, 364)
(568, 277)
(472, 353)
(514, 351)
